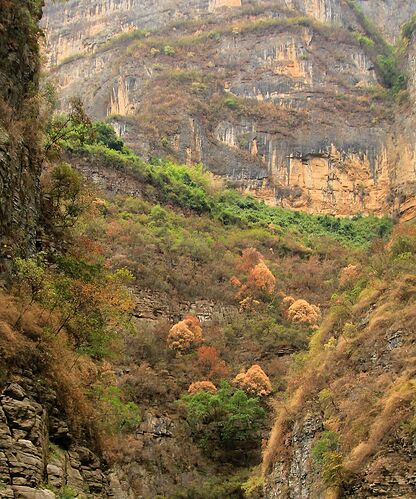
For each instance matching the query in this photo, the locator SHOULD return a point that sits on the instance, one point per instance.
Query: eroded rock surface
(303, 132)
(32, 466)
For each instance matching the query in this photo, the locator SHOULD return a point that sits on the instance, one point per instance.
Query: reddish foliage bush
(250, 258)
(207, 356)
(211, 364)
(234, 281)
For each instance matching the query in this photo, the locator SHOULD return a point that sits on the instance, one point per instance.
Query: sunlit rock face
(81, 26)
(304, 131)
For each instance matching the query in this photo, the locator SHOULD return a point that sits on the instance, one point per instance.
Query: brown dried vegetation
(303, 312)
(202, 386)
(254, 381)
(359, 372)
(185, 334)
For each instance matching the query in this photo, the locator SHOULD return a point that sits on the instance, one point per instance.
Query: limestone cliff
(19, 154)
(279, 104)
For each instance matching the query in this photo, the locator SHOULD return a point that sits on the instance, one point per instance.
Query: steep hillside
(211, 276)
(283, 99)
(193, 248)
(347, 428)
(163, 334)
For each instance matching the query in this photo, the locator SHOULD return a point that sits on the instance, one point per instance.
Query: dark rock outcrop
(19, 144)
(33, 466)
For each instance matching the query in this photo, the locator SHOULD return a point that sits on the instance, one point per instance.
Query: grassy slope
(182, 240)
(359, 375)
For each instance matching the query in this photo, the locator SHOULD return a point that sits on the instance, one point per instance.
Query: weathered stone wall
(38, 458)
(19, 152)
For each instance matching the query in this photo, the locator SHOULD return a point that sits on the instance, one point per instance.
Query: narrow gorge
(207, 249)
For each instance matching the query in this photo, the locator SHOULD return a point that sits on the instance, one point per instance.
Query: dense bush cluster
(189, 188)
(254, 381)
(185, 334)
(225, 419)
(303, 312)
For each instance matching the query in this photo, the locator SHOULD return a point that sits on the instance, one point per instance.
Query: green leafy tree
(122, 416)
(105, 134)
(74, 126)
(30, 278)
(227, 419)
(61, 198)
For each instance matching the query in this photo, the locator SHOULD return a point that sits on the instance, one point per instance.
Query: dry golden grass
(344, 378)
(393, 407)
(276, 448)
(31, 348)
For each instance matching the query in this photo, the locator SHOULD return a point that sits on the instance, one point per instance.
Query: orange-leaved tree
(250, 257)
(254, 381)
(261, 279)
(303, 312)
(202, 386)
(186, 333)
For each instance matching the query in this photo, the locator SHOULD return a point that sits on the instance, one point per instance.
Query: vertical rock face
(388, 15)
(323, 10)
(31, 460)
(19, 154)
(298, 480)
(278, 103)
(80, 26)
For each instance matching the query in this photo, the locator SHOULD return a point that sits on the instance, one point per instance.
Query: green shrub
(327, 442)
(326, 454)
(231, 103)
(121, 416)
(169, 50)
(225, 419)
(390, 74)
(67, 492)
(106, 135)
(364, 40)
